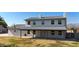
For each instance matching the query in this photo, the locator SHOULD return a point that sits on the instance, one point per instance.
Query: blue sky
(18, 17)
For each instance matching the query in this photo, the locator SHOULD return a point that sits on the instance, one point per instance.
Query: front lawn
(27, 42)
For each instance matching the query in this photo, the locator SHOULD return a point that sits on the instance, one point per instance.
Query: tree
(2, 22)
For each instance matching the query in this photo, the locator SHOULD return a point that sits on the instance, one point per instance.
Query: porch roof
(43, 28)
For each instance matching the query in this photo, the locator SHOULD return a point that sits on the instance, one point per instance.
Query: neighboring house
(41, 27)
(73, 31)
(70, 33)
(77, 33)
(70, 30)
(3, 29)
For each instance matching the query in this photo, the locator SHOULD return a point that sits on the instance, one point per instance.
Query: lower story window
(59, 32)
(53, 32)
(25, 34)
(34, 32)
(28, 32)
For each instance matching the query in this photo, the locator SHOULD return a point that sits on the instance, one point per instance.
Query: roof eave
(44, 19)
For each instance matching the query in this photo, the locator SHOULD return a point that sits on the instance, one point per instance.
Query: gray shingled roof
(17, 26)
(45, 18)
(24, 27)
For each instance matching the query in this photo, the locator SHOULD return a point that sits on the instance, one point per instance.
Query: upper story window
(28, 22)
(34, 23)
(42, 22)
(59, 22)
(52, 21)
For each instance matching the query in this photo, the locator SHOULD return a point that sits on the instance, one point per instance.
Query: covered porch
(43, 33)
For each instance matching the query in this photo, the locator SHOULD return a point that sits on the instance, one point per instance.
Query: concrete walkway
(6, 34)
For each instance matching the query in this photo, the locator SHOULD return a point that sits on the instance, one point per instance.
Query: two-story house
(43, 27)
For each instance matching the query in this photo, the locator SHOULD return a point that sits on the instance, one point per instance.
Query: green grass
(27, 42)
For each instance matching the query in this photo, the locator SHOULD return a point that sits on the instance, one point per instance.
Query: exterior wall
(39, 34)
(70, 31)
(17, 33)
(49, 35)
(47, 23)
(56, 35)
(12, 33)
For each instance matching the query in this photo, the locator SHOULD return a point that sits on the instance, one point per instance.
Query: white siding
(12, 33)
(17, 33)
(46, 23)
(45, 34)
(41, 34)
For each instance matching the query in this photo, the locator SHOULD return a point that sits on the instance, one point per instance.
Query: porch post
(33, 34)
(20, 34)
